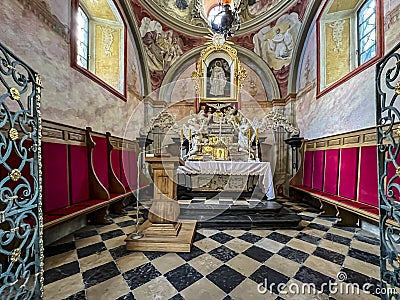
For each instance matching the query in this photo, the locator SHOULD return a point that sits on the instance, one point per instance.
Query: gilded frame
(237, 74)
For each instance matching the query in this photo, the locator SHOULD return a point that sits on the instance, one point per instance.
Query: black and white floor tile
(231, 264)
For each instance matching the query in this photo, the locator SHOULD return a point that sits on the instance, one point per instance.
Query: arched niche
(247, 57)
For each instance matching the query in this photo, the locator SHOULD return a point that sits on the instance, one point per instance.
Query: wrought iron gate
(21, 222)
(388, 131)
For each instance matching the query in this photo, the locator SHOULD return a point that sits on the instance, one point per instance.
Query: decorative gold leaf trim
(15, 255)
(13, 134)
(397, 88)
(15, 175)
(14, 93)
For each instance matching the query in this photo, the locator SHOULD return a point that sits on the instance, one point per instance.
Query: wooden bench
(80, 176)
(339, 175)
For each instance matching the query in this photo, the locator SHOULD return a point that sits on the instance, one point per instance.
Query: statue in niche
(217, 80)
(280, 44)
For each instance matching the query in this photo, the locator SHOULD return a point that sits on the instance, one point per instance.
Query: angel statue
(280, 44)
(244, 137)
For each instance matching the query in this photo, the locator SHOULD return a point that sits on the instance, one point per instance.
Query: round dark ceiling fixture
(224, 20)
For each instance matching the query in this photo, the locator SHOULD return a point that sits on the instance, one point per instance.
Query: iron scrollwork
(388, 118)
(21, 221)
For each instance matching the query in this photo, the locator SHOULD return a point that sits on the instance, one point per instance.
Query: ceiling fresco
(189, 15)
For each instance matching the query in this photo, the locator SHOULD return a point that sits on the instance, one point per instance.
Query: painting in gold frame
(219, 74)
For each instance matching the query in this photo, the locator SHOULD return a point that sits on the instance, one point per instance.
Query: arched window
(98, 43)
(349, 40)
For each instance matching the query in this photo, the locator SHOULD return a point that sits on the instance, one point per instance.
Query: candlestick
(257, 135)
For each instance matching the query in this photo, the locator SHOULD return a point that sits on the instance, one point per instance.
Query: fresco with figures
(275, 44)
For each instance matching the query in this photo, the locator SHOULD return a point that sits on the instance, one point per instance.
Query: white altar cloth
(263, 169)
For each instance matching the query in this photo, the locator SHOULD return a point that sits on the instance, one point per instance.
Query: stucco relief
(68, 96)
(337, 34)
(275, 44)
(163, 48)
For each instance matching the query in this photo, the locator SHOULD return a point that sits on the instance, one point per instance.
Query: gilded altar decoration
(219, 74)
(14, 93)
(15, 175)
(13, 134)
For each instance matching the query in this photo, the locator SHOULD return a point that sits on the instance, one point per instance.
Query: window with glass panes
(83, 39)
(366, 19)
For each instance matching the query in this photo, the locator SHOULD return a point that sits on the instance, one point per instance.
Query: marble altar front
(235, 169)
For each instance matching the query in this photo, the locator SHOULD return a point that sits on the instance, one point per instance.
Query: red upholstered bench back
(350, 173)
(116, 162)
(318, 169)
(308, 168)
(55, 176)
(368, 185)
(331, 171)
(100, 160)
(79, 179)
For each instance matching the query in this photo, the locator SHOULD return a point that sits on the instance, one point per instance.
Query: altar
(235, 169)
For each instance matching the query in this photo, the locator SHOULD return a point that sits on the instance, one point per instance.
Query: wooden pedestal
(162, 231)
(180, 243)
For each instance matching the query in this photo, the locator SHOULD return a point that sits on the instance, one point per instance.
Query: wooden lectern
(162, 230)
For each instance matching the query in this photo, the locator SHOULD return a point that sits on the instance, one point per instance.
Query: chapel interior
(199, 149)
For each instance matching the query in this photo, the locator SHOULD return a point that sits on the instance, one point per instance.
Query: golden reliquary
(216, 148)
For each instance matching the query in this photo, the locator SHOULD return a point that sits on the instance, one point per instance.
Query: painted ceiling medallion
(190, 16)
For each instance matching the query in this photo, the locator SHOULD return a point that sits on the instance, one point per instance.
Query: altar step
(255, 214)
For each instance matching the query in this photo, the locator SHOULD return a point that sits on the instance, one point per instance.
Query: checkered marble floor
(94, 264)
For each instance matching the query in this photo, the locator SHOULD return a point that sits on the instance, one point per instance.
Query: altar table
(262, 169)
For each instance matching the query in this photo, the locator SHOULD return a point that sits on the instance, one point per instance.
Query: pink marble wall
(348, 107)
(68, 97)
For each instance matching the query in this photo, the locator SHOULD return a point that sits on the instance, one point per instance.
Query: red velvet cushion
(372, 210)
(308, 168)
(79, 178)
(55, 176)
(47, 218)
(355, 204)
(368, 186)
(348, 173)
(90, 202)
(100, 160)
(67, 210)
(318, 169)
(331, 171)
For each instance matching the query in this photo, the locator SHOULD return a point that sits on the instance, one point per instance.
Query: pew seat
(80, 178)
(339, 176)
